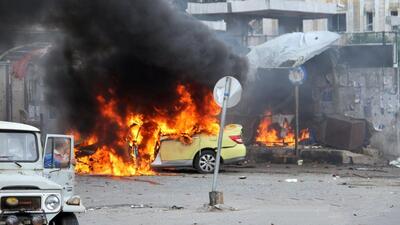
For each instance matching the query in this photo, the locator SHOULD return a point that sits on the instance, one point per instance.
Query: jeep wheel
(205, 162)
(66, 219)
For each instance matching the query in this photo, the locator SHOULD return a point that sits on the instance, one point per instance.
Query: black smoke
(135, 50)
(16, 20)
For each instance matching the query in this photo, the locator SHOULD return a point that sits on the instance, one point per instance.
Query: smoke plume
(136, 51)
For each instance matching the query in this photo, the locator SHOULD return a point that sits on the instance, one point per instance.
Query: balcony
(270, 8)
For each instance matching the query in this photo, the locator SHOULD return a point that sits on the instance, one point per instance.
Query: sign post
(227, 93)
(296, 76)
(296, 134)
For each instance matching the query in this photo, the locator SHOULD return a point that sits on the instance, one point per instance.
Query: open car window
(18, 146)
(57, 152)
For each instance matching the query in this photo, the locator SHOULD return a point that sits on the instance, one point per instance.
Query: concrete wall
(350, 17)
(371, 94)
(270, 27)
(362, 93)
(249, 5)
(311, 6)
(18, 99)
(356, 16)
(219, 25)
(207, 8)
(381, 10)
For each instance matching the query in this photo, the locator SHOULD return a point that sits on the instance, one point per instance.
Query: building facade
(359, 77)
(255, 21)
(22, 87)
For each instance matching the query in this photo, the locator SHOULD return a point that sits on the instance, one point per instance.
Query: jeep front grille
(20, 203)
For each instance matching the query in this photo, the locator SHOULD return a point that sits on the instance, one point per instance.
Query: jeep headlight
(52, 202)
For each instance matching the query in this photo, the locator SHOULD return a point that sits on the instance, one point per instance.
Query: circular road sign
(297, 75)
(235, 91)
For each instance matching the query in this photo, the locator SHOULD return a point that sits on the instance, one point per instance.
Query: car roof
(17, 126)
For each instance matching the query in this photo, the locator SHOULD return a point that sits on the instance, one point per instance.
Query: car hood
(13, 181)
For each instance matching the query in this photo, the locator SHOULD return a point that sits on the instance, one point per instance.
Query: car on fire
(200, 153)
(36, 183)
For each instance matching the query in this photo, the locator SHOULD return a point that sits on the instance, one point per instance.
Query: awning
(289, 50)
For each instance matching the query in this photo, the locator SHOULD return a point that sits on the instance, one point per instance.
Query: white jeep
(36, 184)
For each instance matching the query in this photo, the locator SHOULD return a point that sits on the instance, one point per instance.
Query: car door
(175, 150)
(59, 161)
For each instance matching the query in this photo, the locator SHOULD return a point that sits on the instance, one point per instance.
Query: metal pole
(296, 134)
(8, 93)
(221, 131)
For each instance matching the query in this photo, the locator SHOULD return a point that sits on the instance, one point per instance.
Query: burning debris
(139, 134)
(276, 131)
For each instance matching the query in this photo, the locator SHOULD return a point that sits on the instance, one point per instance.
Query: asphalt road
(253, 195)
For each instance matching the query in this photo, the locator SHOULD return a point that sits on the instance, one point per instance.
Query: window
(370, 21)
(394, 13)
(255, 27)
(57, 152)
(338, 23)
(21, 147)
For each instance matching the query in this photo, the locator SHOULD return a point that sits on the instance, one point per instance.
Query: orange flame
(139, 134)
(276, 136)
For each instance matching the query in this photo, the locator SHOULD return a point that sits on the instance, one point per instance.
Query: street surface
(261, 195)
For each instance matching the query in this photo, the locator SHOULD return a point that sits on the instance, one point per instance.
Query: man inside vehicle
(59, 157)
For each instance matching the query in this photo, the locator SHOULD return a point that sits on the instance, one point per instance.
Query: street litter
(216, 208)
(133, 206)
(176, 207)
(242, 177)
(335, 176)
(291, 180)
(358, 175)
(395, 163)
(137, 206)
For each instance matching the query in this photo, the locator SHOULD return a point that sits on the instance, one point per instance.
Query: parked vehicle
(36, 184)
(201, 152)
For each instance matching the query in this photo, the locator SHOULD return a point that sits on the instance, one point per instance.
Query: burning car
(36, 183)
(199, 151)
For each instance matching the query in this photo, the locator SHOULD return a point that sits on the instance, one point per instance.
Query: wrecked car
(36, 183)
(200, 153)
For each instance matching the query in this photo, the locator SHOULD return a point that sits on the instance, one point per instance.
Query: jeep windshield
(18, 147)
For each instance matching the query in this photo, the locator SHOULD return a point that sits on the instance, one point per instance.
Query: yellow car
(201, 152)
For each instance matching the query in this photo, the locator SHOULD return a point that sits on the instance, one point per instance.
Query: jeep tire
(66, 219)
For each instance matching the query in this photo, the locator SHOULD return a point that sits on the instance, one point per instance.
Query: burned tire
(205, 161)
(66, 219)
